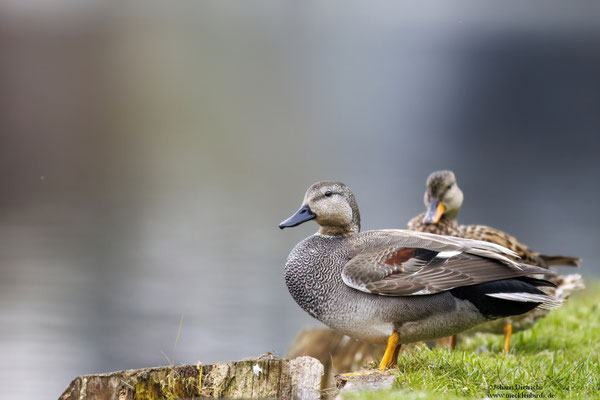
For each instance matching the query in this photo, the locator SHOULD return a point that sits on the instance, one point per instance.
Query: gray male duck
(399, 286)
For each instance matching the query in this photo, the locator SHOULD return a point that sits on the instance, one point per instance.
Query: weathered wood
(297, 379)
(367, 381)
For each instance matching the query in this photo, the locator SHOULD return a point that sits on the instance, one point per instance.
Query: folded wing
(405, 263)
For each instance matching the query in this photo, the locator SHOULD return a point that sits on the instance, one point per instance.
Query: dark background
(149, 150)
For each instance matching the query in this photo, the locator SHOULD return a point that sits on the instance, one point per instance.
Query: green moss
(148, 389)
(172, 387)
(184, 388)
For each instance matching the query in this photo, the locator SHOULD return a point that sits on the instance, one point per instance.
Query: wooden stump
(339, 353)
(297, 379)
(368, 381)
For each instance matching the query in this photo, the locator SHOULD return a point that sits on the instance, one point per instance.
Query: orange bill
(434, 212)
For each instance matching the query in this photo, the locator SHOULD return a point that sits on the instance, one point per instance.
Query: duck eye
(328, 194)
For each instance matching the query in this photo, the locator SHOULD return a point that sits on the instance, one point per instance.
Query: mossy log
(297, 379)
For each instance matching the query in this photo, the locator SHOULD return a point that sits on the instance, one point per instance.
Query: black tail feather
(492, 307)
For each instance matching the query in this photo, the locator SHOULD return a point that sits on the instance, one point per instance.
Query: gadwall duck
(398, 286)
(443, 200)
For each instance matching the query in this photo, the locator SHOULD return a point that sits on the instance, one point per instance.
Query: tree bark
(297, 379)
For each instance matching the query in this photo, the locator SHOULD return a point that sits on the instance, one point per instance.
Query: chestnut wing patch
(406, 258)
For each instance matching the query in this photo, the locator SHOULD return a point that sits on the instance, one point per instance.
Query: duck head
(443, 197)
(332, 205)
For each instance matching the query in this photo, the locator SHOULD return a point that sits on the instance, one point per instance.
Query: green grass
(558, 358)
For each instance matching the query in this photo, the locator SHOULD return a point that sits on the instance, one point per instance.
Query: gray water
(147, 155)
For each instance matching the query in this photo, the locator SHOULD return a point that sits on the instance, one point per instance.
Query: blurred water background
(149, 150)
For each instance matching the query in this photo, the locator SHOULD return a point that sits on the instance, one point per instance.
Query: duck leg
(507, 335)
(395, 357)
(388, 357)
(452, 342)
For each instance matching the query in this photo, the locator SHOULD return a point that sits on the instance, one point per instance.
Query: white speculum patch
(422, 291)
(448, 254)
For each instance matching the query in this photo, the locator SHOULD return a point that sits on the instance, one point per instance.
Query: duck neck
(451, 217)
(345, 229)
(338, 230)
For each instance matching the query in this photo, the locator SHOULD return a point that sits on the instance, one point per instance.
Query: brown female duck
(443, 199)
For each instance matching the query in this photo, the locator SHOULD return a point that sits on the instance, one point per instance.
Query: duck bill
(434, 212)
(302, 215)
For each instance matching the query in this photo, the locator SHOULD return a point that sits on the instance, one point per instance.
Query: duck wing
(406, 263)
